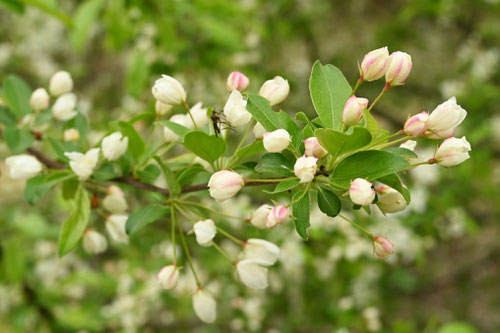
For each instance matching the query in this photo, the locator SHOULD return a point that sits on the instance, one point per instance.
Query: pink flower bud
(352, 110)
(417, 124)
(168, 277)
(382, 247)
(361, 192)
(225, 184)
(453, 151)
(313, 148)
(399, 68)
(374, 64)
(275, 90)
(277, 215)
(305, 168)
(237, 81)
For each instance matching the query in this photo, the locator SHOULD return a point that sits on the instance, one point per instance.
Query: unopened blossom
(235, 110)
(71, 135)
(23, 166)
(353, 110)
(275, 90)
(277, 215)
(258, 131)
(64, 107)
(199, 114)
(94, 242)
(276, 141)
(115, 202)
(440, 135)
(374, 64)
(382, 247)
(39, 100)
(399, 68)
(162, 108)
(258, 217)
(60, 83)
(313, 148)
(417, 124)
(169, 91)
(361, 192)
(180, 119)
(410, 145)
(168, 277)
(204, 306)
(115, 225)
(446, 116)
(453, 151)
(390, 200)
(305, 168)
(83, 165)
(114, 146)
(266, 252)
(225, 184)
(237, 81)
(205, 232)
(252, 273)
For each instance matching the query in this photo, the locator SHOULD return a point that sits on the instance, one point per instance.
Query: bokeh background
(445, 274)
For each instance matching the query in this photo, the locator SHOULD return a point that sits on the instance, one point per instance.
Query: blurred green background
(446, 272)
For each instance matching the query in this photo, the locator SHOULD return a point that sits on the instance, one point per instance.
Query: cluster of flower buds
(377, 63)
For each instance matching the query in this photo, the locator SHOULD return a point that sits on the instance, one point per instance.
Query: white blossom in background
(64, 107)
(235, 110)
(169, 91)
(168, 277)
(23, 166)
(115, 226)
(40, 100)
(60, 83)
(205, 232)
(71, 135)
(162, 109)
(275, 90)
(181, 119)
(204, 306)
(83, 165)
(114, 201)
(94, 242)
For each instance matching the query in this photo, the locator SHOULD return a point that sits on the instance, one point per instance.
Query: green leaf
(261, 110)
(371, 124)
(173, 184)
(286, 122)
(69, 188)
(329, 92)
(13, 5)
(17, 95)
(38, 186)
(208, 147)
(457, 327)
(136, 144)
(394, 181)
(84, 17)
(328, 202)
(137, 74)
(284, 186)
(6, 117)
(81, 124)
(148, 116)
(186, 176)
(300, 212)
(251, 149)
(107, 171)
(14, 259)
(144, 216)
(61, 147)
(403, 152)
(337, 143)
(18, 140)
(72, 230)
(174, 127)
(149, 173)
(275, 163)
(370, 164)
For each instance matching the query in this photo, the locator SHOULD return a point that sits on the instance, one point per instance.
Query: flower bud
(382, 247)
(374, 64)
(252, 274)
(205, 231)
(225, 184)
(305, 168)
(277, 215)
(83, 164)
(237, 81)
(199, 115)
(114, 146)
(162, 108)
(361, 192)
(204, 306)
(94, 242)
(440, 134)
(453, 151)
(180, 119)
(71, 135)
(275, 90)
(353, 110)
(410, 145)
(258, 217)
(39, 100)
(60, 83)
(276, 141)
(258, 131)
(446, 116)
(390, 200)
(399, 68)
(169, 91)
(115, 225)
(235, 110)
(313, 148)
(264, 251)
(23, 166)
(114, 202)
(64, 107)
(168, 277)
(417, 124)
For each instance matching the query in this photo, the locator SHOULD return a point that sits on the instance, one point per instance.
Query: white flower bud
(382, 247)
(168, 277)
(417, 124)
(169, 91)
(313, 148)
(446, 115)
(277, 215)
(39, 100)
(237, 81)
(258, 217)
(114, 146)
(64, 107)
(60, 83)
(275, 90)
(162, 108)
(235, 110)
(440, 134)
(252, 274)
(115, 202)
(71, 135)
(453, 151)
(390, 200)
(204, 306)
(399, 68)
(361, 192)
(83, 164)
(23, 166)
(199, 115)
(225, 184)
(205, 231)
(410, 145)
(115, 225)
(374, 64)
(258, 131)
(264, 251)
(94, 242)
(276, 141)
(180, 119)
(353, 110)
(305, 168)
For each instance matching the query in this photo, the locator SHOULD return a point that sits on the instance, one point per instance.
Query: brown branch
(45, 160)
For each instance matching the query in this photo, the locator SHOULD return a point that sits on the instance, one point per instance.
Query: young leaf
(6, 117)
(136, 144)
(251, 149)
(144, 216)
(261, 110)
(284, 186)
(17, 95)
(173, 184)
(286, 122)
(275, 163)
(328, 202)
(38, 186)
(60, 147)
(208, 147)
(107, 171)
(300, 212)
(18, 140)
(339, 143)
(174, 127)
(403, 152)
(187, 175)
